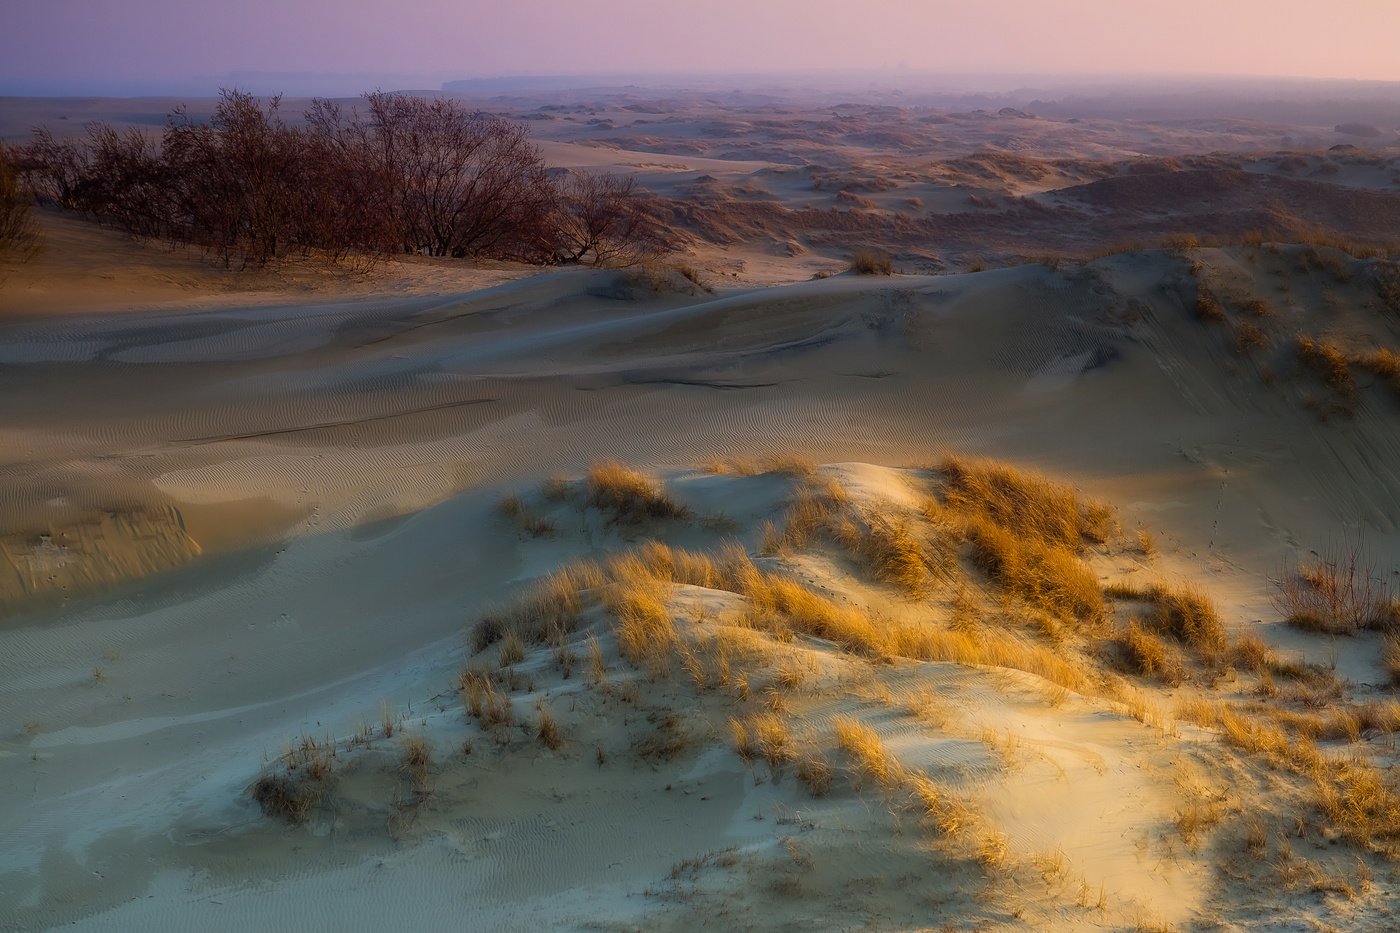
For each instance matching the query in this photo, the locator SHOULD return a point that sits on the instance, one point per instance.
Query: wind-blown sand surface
(227, 529)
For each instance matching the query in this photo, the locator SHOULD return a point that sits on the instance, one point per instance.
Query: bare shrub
(1338, 592)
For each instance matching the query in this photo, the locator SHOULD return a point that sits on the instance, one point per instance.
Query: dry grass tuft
(491, 708)
(1384, 363)
(1388, 285)
(414, 762)
(1147, 655)
(893, 551)
(1050, 578)
(668, 739)
(547, 727)
(1025, 503)
(1208, 307)
(1197, 817)
(646, 633)
(780, 464)
(287, 798)
(512, 649)
(1358, 800)
(551, 609)
(869, 262)
(815, 771)
(869, 757)
(300, 783)
(515, 511)
(1331, 365)
(1249, 337)
(1390, 657)
(630, 496)
(1184, 612)
(763, 735)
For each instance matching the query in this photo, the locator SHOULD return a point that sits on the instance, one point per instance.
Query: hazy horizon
(164, 46)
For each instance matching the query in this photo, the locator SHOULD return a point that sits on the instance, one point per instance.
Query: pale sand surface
(224, 528)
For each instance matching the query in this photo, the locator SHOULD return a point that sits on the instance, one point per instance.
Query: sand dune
(227, 530)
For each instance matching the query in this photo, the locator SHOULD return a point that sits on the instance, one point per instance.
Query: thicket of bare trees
(405, 174)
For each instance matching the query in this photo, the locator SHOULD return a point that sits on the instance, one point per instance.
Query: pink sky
(145, 40)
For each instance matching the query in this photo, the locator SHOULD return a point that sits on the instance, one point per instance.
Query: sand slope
(222, 530)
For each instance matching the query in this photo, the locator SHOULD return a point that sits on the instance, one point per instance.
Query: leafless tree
(19, 236)
(125, 181)
(464, 183)
(52, 169)
(599, 219)
(241, 183)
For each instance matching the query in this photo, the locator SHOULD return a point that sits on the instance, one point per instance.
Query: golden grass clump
(515, 510)
(815, 771)
(1358, 800)
(1208, 307)
(512, 649)
(1025, 503)
(897, 556)
(1184, 612)
(1048, 577)
(1146, 654)
(646, 633)
(1196, 817)
(1390, 657)
(889, 547)
(869, 757)
(630, 496)
(763, 735)
(552, 606)
(414, 762)
(487, 705)
(779, 464)
(869, 262)
(1249, 337)
(1331, 365)
(1384, 363)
